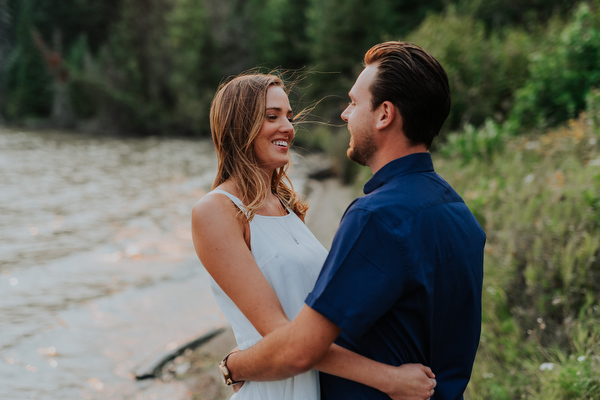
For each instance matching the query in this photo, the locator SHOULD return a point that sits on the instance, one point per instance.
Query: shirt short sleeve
(363, 275)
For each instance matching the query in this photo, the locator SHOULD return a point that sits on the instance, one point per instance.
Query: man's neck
(388, 154)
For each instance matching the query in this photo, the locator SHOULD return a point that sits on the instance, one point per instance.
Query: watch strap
(225, 371)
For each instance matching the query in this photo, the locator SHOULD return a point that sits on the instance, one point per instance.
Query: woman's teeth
(280, 143)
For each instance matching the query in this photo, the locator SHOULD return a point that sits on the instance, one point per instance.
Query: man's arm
(287, 351)
(303, 343)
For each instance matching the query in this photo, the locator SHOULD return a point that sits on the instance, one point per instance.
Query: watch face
(224, 373)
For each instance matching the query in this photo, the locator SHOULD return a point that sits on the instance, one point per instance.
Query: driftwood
(153, 368)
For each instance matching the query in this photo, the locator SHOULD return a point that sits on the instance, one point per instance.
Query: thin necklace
(284, 218)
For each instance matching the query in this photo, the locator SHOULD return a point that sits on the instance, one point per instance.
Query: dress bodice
(290, 258)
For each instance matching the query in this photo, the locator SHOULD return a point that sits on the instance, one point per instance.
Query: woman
(250, 236)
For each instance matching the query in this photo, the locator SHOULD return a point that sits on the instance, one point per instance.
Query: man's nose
(345, 114)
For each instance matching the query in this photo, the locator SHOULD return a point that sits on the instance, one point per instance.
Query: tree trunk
(62, 108)
(63, 115)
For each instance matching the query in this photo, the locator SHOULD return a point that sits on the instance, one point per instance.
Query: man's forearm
(287, 351)
(300, 345)
(268, 360)
(278, 360)
(278, 356)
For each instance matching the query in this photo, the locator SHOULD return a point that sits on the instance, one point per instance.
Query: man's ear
(387, 115)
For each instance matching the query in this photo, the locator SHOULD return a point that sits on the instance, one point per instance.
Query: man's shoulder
(406, 195)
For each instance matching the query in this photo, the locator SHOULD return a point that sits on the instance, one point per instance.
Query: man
(402, 282)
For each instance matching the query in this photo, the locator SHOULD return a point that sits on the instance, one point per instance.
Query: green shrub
(561, 73)
(473, 142)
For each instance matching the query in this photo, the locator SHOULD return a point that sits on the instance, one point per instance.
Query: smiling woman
(249, 232)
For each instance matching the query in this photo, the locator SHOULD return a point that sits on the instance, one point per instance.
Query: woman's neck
(233, 185)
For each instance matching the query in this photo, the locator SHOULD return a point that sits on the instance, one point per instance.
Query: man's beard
(362, 152)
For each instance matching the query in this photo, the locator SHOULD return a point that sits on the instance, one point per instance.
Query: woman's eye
(272, 117)
(291, 120)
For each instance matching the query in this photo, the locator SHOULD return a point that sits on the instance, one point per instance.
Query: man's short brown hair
(416, 83)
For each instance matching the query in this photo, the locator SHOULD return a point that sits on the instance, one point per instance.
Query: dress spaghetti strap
(234, 199)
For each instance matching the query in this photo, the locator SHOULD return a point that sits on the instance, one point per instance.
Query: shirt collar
(410, 164)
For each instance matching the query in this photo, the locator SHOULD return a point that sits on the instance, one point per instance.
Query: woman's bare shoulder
(214, 205)
(214, 223)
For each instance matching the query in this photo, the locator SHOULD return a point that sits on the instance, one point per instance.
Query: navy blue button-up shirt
(403, 279)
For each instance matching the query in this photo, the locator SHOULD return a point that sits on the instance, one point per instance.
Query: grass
(538, 199)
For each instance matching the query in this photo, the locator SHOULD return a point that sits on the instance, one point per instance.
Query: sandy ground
(201, 379)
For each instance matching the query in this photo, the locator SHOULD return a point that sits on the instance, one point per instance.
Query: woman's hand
(412, 382)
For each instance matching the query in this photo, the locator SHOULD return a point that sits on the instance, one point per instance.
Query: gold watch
(225, 371)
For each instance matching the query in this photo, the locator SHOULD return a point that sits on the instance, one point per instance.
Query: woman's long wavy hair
(237, 114)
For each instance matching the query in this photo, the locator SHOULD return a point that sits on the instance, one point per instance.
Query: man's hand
(412, 382)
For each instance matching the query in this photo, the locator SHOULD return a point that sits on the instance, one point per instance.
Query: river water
(97, 269)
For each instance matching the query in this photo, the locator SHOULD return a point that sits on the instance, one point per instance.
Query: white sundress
(290, 257)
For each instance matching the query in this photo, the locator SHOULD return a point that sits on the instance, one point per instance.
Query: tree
(5, 47)
(62, 109)
(195, 75)
(279, 33)
(28, 84)
(496, 14)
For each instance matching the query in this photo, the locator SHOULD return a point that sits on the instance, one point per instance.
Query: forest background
(521, 143)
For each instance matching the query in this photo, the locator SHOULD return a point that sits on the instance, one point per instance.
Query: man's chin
(353, 156)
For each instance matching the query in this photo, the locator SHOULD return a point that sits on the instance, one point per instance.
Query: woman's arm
(408, 381)
(221, 246)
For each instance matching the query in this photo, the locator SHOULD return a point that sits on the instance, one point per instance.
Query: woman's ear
(387, 115)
